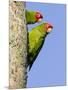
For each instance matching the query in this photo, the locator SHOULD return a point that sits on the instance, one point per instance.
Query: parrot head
(48, 27)
(38, 16)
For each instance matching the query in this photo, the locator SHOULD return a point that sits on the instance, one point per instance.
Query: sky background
(49, 67)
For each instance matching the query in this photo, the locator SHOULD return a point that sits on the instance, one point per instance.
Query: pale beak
(40, 20)
(49, 30)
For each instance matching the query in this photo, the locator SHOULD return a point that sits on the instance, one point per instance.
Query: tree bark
(17, 45)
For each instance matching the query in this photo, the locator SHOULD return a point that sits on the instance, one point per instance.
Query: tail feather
(30, 66)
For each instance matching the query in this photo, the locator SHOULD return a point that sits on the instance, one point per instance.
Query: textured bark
(17, 45)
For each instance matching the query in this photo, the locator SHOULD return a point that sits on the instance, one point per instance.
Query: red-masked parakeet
(36, 39)
(33, 17)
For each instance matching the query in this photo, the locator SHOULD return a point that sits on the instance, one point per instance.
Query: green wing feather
(30, 17)
(36, 40)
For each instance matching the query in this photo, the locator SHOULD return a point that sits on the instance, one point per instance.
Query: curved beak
(39, 16)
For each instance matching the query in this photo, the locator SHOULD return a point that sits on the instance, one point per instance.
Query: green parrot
(33, 17)
(36, 39)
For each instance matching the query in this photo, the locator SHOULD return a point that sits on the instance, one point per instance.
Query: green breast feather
(36, 40)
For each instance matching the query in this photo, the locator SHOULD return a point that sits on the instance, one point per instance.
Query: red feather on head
(38, 16)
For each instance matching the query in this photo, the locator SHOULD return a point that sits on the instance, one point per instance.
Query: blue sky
(49, 67)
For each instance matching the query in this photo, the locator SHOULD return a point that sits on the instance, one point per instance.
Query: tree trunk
(17, 45)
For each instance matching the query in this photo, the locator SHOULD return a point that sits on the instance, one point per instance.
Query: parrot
(36, 38)
(33, 16)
